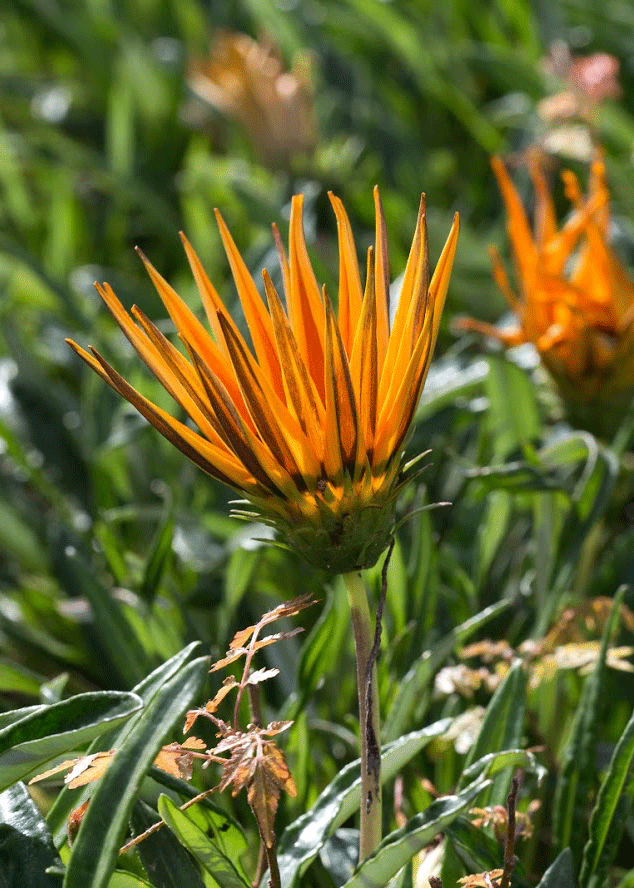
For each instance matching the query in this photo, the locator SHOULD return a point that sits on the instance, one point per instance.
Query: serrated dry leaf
(241, 637)
(262, 675)
(177, 760)
(88, 768)
(230, 657)
(82, 770)
(228, 685)
(482, 880)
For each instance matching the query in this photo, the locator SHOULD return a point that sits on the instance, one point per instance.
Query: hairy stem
(369, 717)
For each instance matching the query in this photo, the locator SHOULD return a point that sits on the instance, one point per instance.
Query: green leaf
(147, 689)
(399, 847)
(26, 845)
(578, 767)
(123, 651)
(610, 813)
(122, 879)
(162, 855)
(422, 672)
(300, 842)
(322, 646)
(160, 549)
(217, 864)
(513, 414)
(30, 742)
(101, 833)
(560, 874)
(480, 852)
(501, 729)
(448, 380)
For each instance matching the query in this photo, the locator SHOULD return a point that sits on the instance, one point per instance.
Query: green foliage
(119, 563)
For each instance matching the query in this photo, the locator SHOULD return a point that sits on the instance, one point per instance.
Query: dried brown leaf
(230, 657)
(261, 675)
(228, 685)
(482, 880)
(279, 636)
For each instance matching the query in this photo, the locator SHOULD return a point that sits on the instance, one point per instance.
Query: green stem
(369, 716)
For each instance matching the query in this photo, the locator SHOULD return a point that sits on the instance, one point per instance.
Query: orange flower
(576, 302)
(310, 425)
(246, 80)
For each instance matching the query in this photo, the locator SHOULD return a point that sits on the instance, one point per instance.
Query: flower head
(576, 301)
(309, 424)
(246, 80)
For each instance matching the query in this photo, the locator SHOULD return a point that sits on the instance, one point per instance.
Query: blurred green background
(114, 551)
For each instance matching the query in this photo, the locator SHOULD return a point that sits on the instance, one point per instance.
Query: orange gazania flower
(576, 301)
(246, 80)
(308, 425)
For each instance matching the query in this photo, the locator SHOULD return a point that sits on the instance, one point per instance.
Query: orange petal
(188, 324)
(407, 303)
(286, 272)
(214, 460)
(501, 279)
(211, 300)
(440, 279)
(254, 311)
(524, 248)
(275, 424)
(342, 436)
(301, 394)
(305, 307)
(246, 446)
(350, 293)
(396, 414)
(364, 360)
(382, 282)
(545, 218)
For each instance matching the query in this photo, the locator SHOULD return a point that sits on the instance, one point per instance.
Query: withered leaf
(261, 675)
(228, 684)
(482, 880)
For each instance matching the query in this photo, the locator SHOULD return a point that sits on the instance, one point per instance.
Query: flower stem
(369, 716)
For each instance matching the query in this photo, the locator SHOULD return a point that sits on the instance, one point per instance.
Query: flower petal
(213, 460)
(364, 360)
(305, 306)
(254, 311)
(301, 394)
(382, 282)
(350, 293)
(342, 436)
(275, 424)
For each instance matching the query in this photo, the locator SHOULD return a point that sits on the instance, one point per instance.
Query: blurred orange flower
(246, 80)
(576, 301)
(310, 425)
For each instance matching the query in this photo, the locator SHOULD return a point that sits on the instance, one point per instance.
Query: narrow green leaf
(68, 799)
(26, 845)
(447, 380)
(399, 847)
(577, 771)
(480, 852)
(322, 646)
(217, 864)
(101, 833)
(560, 874)
(45, 732)
(513, 415)
(610, 813)
(123, 879)
(301, 840)
(160, 548)
(424, 669)
(162, 855)
(501, 729)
